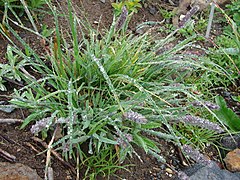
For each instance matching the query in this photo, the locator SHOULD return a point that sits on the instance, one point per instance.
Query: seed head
(66, 146)
(124, 140)
(195, 155)
(40, 125)
(122, 18)
(189, 14)
(210, 105)
(136, 117)
(197, 121)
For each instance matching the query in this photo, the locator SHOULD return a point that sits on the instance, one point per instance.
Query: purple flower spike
(197, 121)
(40, 125)
(196, 155)
(189, 14)
(122, 18)
(210, 105)
(136, 117)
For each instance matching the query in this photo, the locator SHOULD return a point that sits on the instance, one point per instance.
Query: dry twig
(44, 144)
(49, 170)
(11, 120)
(33, 148)
(7, 156)
(50, 173)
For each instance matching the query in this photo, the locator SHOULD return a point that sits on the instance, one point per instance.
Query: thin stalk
(210, 20)
(29, 14)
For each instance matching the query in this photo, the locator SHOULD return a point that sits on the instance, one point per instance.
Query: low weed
(18, 4)
(226, 53)
(229, 118)
(131, 5)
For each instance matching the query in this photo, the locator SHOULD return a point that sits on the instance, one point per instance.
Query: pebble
(163, 166)
(232, 160)
(156, 168)
(103, 1)
(213, 172)
(169, 171)
(17, 171)
(152, 10)
(231, 142)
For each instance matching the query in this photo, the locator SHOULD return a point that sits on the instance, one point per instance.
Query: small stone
(231, 142)
(182, 17)
(213, 172)
(103, 1)
(152, 10)
(184, 163)
(232, 160)
(175, 162)
(169, 171)
(17, 171)
(163, 166)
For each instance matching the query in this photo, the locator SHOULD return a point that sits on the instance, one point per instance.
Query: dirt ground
(20, 144)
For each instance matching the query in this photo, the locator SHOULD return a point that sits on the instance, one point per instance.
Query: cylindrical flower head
(188, 16)
(40, 125)
(210, 105)
(136, 117)
(197, 121)
(195, 155)
(122, 18)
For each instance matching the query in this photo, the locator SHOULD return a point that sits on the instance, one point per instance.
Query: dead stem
(11, 120)
(7, 156)
(44, 144)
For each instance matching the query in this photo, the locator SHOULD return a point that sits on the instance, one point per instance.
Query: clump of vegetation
(233, 10)
(226, 51)
(18, 4)
(110, 92)
(131, 5)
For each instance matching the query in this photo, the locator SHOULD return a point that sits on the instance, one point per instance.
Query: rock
(17, 171)
(231, 142)
(232, 160)
(152, 10)
(210, 172)
(168, 170)
(103, 1)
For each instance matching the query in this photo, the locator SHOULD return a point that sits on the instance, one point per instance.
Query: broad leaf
(226, 115)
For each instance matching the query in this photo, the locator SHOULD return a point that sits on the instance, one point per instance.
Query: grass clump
(108, 92)
(18, 4)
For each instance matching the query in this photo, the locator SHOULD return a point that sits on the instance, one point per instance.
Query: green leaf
(80, 139)
(236, 98)
(97, 126)
(165, 136)
(30, 118)
(158, 157)
(226, 115)
(103, 139)
(151, 144)
(140, 141)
